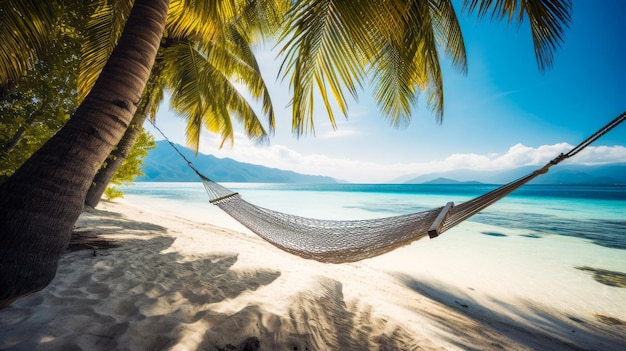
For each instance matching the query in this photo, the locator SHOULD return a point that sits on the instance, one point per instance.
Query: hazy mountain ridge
(164, 164)
(446, 181)
(610, 174)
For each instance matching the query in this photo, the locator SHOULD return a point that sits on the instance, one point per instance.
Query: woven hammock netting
(339, 241)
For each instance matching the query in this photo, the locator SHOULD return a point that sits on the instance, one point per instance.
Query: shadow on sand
(321, 319)
(525, 323)
(143, 295)
(150, 303)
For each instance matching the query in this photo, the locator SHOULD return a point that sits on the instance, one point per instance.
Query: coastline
(176, 283)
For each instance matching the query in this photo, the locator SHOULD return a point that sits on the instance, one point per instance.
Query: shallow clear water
(593, 213)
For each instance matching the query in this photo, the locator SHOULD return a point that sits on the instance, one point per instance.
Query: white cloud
(353, 170)
(595, 155)
(516, 156)
(520, 155)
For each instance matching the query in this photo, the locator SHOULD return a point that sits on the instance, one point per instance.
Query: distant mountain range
(164, 164)
(446, 181)
(610, 174)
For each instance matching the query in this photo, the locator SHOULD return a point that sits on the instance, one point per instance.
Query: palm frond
(103, 31)
(448, 32)
(249, 74)
(408, 62)
(225, 100)
(394, 83)
(326, 44)
(240, 108)
(154, 93)
(182, 71)
(435, 94)
(201, 18)
(27, 27)
(330, 45)
(548, 20)
(157, 94)
(405, 74)
(262, 18)
(205, 97)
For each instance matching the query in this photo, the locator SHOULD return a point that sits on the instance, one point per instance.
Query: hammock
(337, 241)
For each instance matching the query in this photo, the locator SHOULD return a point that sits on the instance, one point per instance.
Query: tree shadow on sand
(525, 323)
(145, 296)
(107, 222)
(321, 319)
(158, 299)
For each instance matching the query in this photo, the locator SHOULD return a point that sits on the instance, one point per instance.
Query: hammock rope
(340, 241)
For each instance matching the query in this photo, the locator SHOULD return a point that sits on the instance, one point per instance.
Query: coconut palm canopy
(199, 63)
(330, 48)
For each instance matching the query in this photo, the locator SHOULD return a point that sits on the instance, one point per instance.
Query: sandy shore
(178, 284)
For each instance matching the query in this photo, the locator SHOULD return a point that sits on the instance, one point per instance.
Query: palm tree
(42, 200)
(330, 45)
(119, 153)
(199, 72)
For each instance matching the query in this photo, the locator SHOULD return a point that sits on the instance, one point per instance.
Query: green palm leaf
(198, 32)
(408, 62)
(248, 72)
(203, 95)
(103, 31)
(27, 27)
(330, 45)
(548, 21)
(261, 18)
(201, 18)
(325, 48)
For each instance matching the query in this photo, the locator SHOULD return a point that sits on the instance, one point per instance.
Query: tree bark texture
(119, 154)
(41, 202)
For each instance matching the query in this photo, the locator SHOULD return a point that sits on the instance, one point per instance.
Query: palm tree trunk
(15, 139)
(41, 202)
(119, 154)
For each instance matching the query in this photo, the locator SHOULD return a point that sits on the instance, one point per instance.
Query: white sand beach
(185, 280)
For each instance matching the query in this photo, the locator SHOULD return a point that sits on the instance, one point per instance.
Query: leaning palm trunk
(17, 137)
(41, 202)
(105, 174)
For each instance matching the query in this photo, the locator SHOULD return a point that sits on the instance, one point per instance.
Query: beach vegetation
(132, 165)
(330, 49)
(37, 103)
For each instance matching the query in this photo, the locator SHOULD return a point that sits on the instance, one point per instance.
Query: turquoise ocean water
(595, 214)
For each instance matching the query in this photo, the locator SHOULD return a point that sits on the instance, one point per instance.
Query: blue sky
(502, 114)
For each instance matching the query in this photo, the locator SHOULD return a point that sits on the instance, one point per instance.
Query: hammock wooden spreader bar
(339, 241)
(437, 226)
